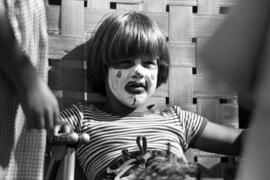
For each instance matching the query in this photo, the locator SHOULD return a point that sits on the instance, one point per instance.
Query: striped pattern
(110, 134)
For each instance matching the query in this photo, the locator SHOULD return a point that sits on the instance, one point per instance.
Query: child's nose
(138, 71)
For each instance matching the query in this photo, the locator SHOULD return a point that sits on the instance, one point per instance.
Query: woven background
(186, 23)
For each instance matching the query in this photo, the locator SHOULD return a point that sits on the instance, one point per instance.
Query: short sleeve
(192, 124)
(73, 115)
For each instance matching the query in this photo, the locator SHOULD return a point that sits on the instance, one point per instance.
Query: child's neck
(122, 110)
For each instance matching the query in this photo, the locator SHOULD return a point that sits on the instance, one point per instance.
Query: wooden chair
(187, 24)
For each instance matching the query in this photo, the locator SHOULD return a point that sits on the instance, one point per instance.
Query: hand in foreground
(38, 102)
(63, 137)
(40, 106)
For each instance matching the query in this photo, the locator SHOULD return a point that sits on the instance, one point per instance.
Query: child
(129, 58)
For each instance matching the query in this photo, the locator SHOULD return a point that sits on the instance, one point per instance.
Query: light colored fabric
(111, 134)
(22, 151)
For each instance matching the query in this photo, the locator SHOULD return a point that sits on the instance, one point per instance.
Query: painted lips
(134, 87)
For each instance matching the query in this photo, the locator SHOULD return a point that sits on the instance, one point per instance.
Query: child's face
(133, 81)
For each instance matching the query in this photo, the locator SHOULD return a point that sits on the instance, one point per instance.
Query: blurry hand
(38, 102)
(40, 106)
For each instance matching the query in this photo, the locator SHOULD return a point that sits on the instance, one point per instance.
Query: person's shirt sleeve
(73, 115)
(192, 124)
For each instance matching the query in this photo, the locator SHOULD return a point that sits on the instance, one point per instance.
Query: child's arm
(38, 102)
(220, 139)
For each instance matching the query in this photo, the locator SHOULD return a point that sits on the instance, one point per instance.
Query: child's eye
(150, 64)
(124, 64)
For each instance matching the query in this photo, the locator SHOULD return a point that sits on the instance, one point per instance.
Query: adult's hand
(39, 105)
(38, 102)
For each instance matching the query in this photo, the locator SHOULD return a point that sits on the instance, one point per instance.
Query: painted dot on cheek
(119, 74)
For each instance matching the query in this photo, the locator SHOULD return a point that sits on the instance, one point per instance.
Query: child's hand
(59, 151)
(63, 137)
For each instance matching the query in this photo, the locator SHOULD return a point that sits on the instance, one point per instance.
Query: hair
(125, 35)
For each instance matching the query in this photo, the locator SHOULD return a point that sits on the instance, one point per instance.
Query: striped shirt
(111, 134)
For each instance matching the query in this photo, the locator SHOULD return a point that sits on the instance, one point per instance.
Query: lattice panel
(187, 24)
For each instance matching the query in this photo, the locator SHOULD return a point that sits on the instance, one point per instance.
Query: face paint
(134, 102)
(119, 74)
(133, 86)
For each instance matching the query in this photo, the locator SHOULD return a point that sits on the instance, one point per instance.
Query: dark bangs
(134, 36)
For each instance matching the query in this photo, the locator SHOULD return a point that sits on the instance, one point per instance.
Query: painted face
(133, 81)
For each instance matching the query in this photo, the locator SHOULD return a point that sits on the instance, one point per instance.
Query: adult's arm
(38, 102)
